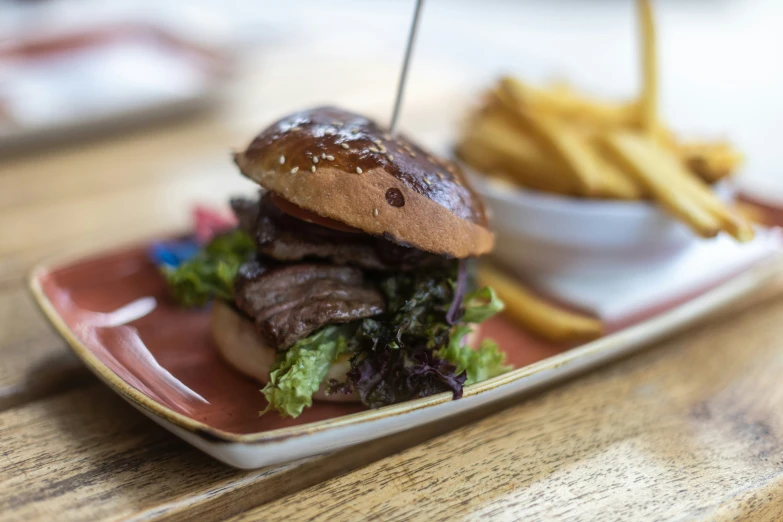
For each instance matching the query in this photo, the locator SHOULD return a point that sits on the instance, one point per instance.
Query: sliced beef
(289, 302)
(288, 246)
(285, 238)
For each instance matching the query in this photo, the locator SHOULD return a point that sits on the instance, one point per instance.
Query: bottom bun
(243, 348)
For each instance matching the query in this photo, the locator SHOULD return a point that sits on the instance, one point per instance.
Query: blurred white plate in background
(53, 86)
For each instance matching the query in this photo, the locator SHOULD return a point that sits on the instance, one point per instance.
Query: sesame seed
(375, 212)
(354, 130)
(413, 154)
(387, 136)
(377, 142)
(330, 157)
(374, 149)
(323, 155)
(400, 151)
(427, 181)
(440, 175)
(358, 170)
(383, 149)
(344, 145)
(294, 170)
(282, 159)
(337, 123)
(315, 159)
(312, 169)
(391, 158)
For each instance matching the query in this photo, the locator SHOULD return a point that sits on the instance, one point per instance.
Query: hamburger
(348, 277)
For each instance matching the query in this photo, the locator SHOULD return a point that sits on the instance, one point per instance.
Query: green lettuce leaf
(480, 305)
(483, 363)
(211, 272)
(298, 373)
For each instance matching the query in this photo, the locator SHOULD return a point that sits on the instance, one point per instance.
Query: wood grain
(85, 454)
(689, 430)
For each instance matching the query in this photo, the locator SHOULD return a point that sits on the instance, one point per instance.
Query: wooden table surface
(690, 429)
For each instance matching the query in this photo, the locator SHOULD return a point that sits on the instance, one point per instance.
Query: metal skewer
(405, 65)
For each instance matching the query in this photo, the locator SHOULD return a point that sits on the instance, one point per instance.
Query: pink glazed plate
(114, 311)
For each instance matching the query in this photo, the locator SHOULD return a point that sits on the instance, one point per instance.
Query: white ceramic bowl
(544, 233)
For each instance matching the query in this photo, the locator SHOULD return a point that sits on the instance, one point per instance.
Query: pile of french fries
(559, 141)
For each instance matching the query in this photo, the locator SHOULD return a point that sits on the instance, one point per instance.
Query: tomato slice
(311, 217)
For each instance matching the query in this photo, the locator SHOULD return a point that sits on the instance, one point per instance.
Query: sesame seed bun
(345, 167)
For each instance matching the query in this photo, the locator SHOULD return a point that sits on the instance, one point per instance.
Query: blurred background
(121, 89)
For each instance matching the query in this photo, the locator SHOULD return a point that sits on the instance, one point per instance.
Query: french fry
(649, 94)
(562, 102)
(493, 162)
(673, 186)
(491, 144)
(710, 161)
(731, 222)
(631, 153)
(489, 162)
(592, 176)
(617, 184)
(603, 180)
(537, 315)
(512, 140)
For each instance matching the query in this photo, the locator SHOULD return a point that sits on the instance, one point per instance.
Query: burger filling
(317, 290)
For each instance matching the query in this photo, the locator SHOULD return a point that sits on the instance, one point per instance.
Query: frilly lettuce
(481, 305)
(487, 360)
(210, 274)
(298, 373)
(479, 364)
